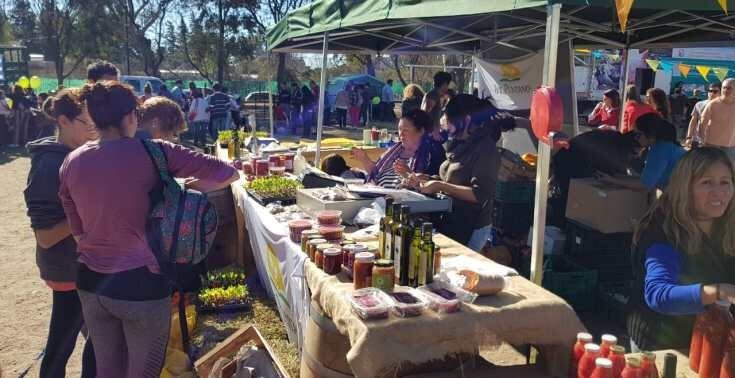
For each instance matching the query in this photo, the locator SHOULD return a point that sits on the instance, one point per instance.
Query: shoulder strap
(158, 156)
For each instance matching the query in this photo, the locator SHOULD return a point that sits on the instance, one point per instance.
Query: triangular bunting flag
(704, 71)
(614, 57)
(597, 54)
(721, 72)
(723, 4)
(684, 69)
(666, 66)
(623, 8)
(653, 63)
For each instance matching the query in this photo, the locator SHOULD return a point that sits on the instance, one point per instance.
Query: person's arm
(428, 104)
(595, 118)
(655, 167)
(662, 289)
(361, 156)
(183, 162)
(206, 186)
(49, 237)
(693, 125)
(70, 209)
(704, 124)
(460, 192)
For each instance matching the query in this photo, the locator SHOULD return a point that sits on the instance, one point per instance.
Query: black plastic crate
(612, 300)
(584, 241)
(512, 218)
(515, 191)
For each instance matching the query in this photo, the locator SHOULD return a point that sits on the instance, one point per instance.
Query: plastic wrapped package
(370, 303)
(444, 297)
(480, 283)
(407, 302)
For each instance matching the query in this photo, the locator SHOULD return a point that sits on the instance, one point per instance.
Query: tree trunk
(397, 67)
(221, 44)
(370, 66)
(281, 69)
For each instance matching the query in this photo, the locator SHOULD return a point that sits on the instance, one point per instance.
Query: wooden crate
(230, 346)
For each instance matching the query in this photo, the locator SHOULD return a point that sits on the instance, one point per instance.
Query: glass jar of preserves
(307, 235)
(332, 260)
(384, 275)
(313, 243)
(348, 256)
(319, 255)
(363, 270)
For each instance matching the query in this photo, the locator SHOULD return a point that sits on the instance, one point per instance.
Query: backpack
(180, 228)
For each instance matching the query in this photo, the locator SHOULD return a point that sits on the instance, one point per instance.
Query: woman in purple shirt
(104, 188)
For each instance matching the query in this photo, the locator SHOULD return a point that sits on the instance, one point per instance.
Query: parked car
(139, 82)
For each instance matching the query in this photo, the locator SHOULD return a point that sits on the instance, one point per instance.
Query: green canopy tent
(502, 30)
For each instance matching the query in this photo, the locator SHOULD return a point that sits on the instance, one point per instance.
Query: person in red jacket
(633, 108)
(607, 113)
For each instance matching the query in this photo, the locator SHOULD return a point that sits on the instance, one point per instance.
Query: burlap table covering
(523, 314)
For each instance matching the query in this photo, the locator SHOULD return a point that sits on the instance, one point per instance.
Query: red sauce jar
(617, 356)
(632, 369)
(319, 255)
(254, 163)
(587, 362)
(288, 161)
(607, 342)
(348, 256)
(332, 261)
(307, 235)
(603, 368)
(713, 340)
(313, 243)
(281, 161)
(578, 350)
(261, 168)
(728, 361)
(363, 270)
(296, 227)
(273, 160)
(648, 366)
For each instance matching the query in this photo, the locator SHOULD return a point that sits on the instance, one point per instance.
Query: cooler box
(604, 207)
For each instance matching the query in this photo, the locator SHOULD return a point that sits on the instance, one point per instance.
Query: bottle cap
(584, 336)
(649, 356)
(384, 263)
(592, 348)
(609, 339)
(617, 349)
(332, 252)
(633, 362)
(365, 257)
(603, 363)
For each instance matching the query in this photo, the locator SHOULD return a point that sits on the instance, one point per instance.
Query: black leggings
(66, 322)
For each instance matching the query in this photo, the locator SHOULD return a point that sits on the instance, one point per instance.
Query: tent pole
(553, 14)
(575, 115)
(270, 99)
(625, 66)
(322, 92)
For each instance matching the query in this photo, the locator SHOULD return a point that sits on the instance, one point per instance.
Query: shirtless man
(718, 120)
(694, 135)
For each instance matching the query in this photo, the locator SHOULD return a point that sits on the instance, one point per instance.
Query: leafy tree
(23, 22)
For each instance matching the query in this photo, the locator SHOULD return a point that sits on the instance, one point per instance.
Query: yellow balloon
(35, 82)
(24, 82)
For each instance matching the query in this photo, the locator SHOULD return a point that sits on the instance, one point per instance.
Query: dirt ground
(25, 301)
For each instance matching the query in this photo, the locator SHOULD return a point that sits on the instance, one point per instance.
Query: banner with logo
(511, 85)
(280, 265)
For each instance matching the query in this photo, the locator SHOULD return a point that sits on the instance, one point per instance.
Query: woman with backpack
(105, 188)
(56, 250)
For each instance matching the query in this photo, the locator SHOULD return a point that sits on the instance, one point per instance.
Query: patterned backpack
(182, 222)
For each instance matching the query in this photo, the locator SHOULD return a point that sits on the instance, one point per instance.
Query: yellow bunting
(614, 57)
(721, 72)
(623, 8)
(704, 71)
(653, 63)
(723, 4)
(684, 69)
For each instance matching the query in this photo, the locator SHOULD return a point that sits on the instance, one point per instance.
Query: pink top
(104, 191)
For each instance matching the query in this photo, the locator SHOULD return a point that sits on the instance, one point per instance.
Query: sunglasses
(714, 91)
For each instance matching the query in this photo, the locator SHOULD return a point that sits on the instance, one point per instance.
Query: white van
(139, 82)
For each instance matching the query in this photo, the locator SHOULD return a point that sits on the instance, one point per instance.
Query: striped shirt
(220, 105)
(388, 178)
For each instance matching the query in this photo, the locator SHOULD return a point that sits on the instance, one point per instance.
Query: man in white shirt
(386, 102)
(694, 135)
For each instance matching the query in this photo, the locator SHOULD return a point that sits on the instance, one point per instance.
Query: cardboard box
(604, 207)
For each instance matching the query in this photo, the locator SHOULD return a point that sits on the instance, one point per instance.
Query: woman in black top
(470, 172)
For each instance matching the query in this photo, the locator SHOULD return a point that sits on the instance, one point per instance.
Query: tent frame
(578, 31)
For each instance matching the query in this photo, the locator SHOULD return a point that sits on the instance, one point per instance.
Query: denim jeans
(218, 124)
(199, 131)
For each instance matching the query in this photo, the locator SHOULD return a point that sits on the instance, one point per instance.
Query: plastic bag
(370, 215)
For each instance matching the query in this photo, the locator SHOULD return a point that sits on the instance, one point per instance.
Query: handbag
(193, 114)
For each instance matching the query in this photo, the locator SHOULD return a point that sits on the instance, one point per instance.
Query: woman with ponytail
(104, 190)
(470, 172)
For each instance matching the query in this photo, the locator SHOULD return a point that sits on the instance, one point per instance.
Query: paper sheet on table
(457, 263)
(397, 194)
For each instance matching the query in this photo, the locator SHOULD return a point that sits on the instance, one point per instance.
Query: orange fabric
(632, 111)
(61, 286)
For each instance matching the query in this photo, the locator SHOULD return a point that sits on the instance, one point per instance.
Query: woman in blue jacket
(683, 252)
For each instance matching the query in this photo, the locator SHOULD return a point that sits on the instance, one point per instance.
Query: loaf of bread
(482, 283)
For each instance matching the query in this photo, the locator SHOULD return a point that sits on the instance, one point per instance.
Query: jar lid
(332, 252)
(299, 223)
(603, 363)
(609, 339)
(317, 241)
(584, 336)
(592, 347)
(355, 248)
(649, 356)
(365, 257)
(323, 247)
(311, 232)
(633, 362)
(384, 263)
(618, 349)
